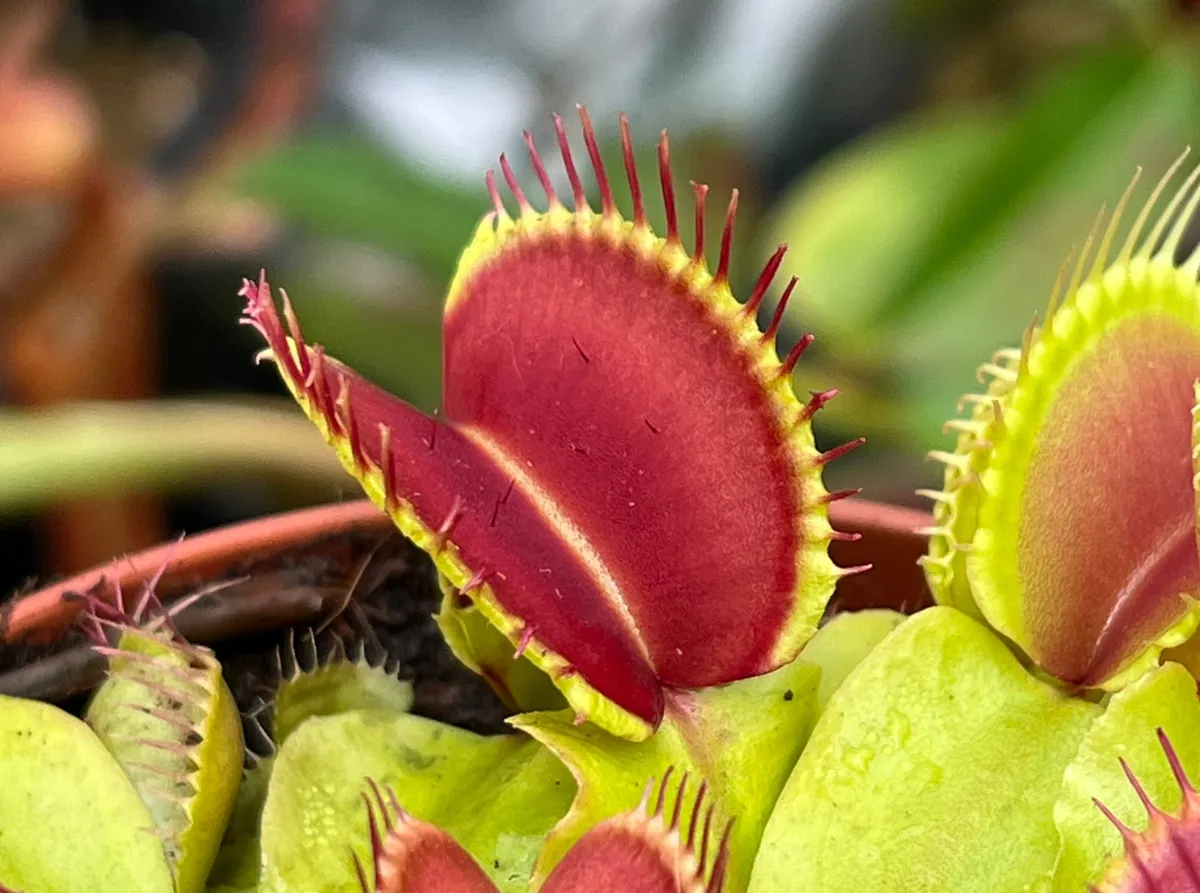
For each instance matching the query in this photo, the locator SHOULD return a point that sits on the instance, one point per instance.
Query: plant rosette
(555, 441)
(535, 550)
(622, 496)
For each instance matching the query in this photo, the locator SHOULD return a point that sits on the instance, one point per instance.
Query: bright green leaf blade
(843, 643)
(741, 739)
(337, 686)
(498, 796)
(70, 821)
(934, 768)
(1164, 698)
(504, 823)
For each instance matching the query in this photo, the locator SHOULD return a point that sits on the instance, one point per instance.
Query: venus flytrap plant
(642, 850)
(562, 504)
(497, 795)
(588, 516)
(167, 723)
(1068, 524)
(619, 450)
(623, 499)
(169, 719)
(1068, 510)
(308, 685)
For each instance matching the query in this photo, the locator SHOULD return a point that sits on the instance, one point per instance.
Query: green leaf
(110, 446)
(486, 651)
(934, 767)
(351, 186)
(239, 859)
(70, 820)
(1164, 698)
(497, 796)
(856, 226)
(843, 643)
(925, 246)
(338, 686)
(742, 739)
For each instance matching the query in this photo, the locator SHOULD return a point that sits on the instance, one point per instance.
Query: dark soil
(389, 614)
(381, 595)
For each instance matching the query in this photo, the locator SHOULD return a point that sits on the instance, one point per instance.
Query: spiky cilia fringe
(689, 853)
(999, 423)
(168, 718)
(381, 443)
(1165, 858)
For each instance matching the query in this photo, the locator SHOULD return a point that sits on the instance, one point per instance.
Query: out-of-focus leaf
(856, 225)
(926, 247)
(153, 446)
(350, 186)
(396, 345)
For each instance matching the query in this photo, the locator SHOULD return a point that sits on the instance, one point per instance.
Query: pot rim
(52, 608)
(182, 561)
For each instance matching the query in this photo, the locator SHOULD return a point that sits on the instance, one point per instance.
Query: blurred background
(931, 163)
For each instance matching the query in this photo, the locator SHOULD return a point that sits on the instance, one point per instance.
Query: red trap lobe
(621, 475)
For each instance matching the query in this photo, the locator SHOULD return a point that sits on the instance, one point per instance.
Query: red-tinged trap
(621, 476)
(641, 851)
(1165, 858)
(1067, 518)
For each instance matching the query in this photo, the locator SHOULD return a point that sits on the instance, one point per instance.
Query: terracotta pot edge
(52, 607)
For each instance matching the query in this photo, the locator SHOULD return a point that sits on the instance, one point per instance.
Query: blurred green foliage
(352, 189)
(929, 243)
(351, 186)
